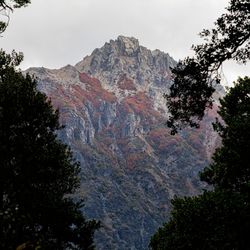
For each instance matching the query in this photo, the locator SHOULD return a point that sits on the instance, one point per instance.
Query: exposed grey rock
(113, 107)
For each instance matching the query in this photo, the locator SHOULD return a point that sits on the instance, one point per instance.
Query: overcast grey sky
(53, 33)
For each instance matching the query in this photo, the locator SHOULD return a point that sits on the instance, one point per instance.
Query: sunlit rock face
(114, 113)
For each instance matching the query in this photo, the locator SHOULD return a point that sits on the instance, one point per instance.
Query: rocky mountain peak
(113, 107)
(123, 66)
(128, 45)
(126, 54)
(122, 46)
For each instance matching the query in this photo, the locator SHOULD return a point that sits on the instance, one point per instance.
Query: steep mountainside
(111, 103)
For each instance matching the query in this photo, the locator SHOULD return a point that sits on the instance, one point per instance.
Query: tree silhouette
(195, 78)
(218, 219)
(38, 175)
(7, 6)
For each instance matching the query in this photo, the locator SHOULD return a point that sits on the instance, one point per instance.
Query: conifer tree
(195, 77)
(38, 175)
(218, 219)
(7, 6)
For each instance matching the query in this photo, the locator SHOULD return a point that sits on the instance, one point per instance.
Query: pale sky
(53, 33)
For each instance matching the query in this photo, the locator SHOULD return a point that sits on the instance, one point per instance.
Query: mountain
(114, 113)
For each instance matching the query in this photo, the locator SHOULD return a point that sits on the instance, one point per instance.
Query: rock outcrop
(114, 113)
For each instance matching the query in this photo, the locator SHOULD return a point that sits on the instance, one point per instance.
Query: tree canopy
(38, 174)
(230, 169)
(39, 208)
(11, 4)
(218, 219)
(7, 6)
(211, 221)
(195, 78)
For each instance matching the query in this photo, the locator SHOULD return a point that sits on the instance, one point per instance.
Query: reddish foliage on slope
(95, 92)
(141, 104)
(61, 98)
(125, 83)
(134, 159)
(161, 139)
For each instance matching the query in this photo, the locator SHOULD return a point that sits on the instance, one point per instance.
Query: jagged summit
(124, 66)
(125, 53)
(128, 45)
(123, 46)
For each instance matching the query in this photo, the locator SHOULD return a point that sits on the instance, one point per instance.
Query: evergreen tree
(215, 220)
(9, 5)
(218, 219)
(38, 175)
(230, 169)
(195, 78)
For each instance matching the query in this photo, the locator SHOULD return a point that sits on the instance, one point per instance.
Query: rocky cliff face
(111, 103)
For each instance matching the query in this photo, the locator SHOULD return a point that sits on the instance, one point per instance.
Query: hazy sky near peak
(53, 33)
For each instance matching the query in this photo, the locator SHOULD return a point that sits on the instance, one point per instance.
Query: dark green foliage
(194, 78)
(212, 221)
(219, 219)
(230, 169)
(9, 5)
(189, 94)
(38, 174)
